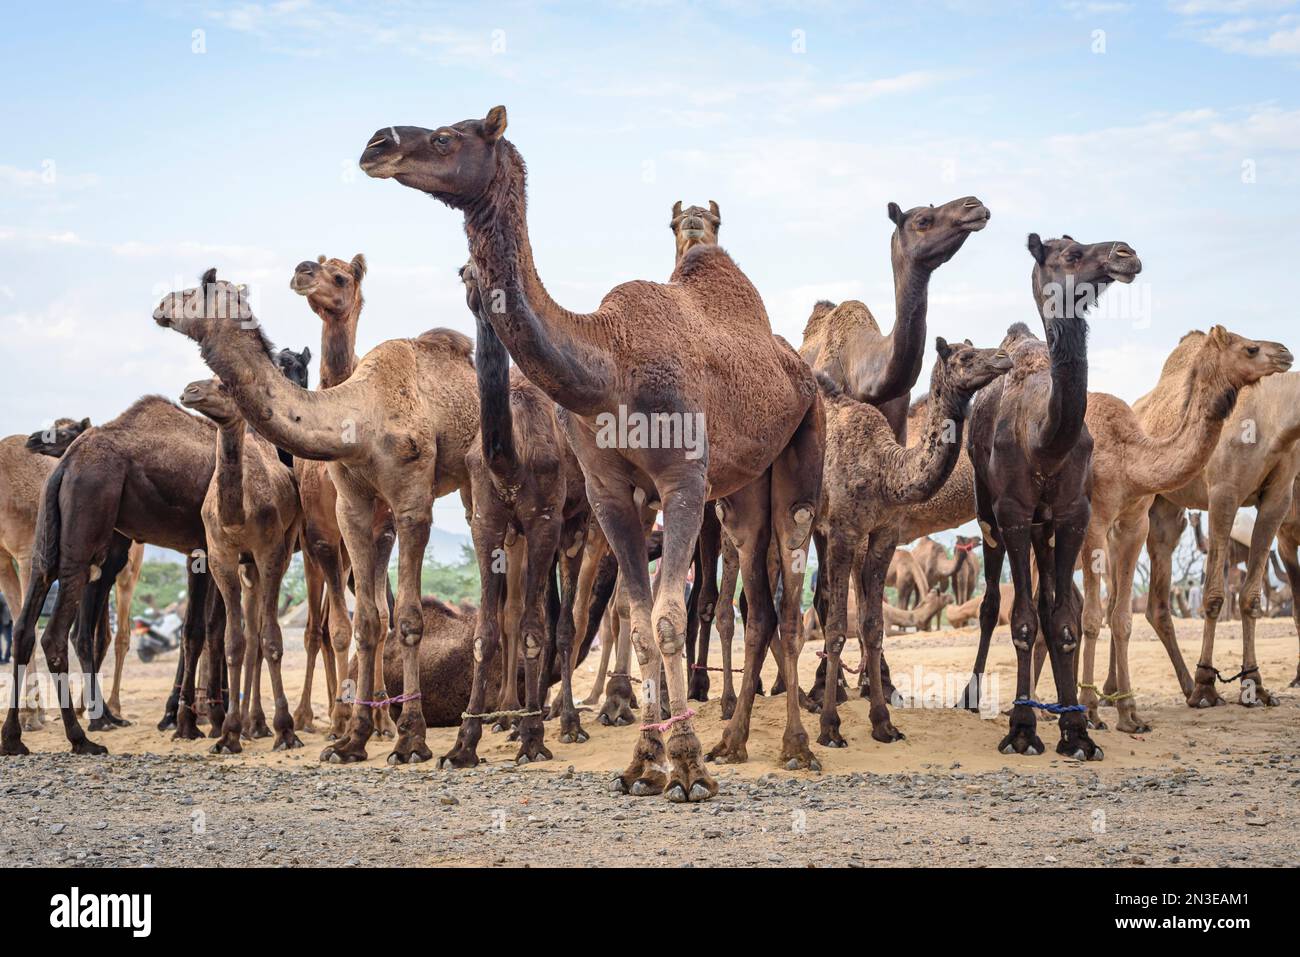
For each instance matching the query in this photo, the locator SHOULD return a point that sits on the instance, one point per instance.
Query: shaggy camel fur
(140, 477)
(530, 507)
(868, 476)
(251, 514)
(332, 288)
(397, 430)
(727, 379)
(953, 504)
(1254, 463)
(25, 463)
(1131, 464)
(1033, 473)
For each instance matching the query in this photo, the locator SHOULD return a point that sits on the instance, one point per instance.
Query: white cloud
(1257, 28)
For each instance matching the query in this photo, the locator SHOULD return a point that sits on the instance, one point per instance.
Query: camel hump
(455, 344)
(821, 308)
(436, 606)
(848, 317)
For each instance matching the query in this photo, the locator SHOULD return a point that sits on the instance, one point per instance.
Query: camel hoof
(1032, 751)
(1008, 749)
(1097, 755)
(287, 743)
(699, 792)
(1205, 703)
(642, 788)
(677, 794)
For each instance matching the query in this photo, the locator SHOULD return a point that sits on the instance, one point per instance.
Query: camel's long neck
(230, 472)
(907, 338)
(1171, 461)
(921, 469)
(338, 344)
(496, 424)
(555, 348)
(309, 425)
(1067, 344)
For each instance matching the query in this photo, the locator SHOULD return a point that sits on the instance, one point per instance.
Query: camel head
(193, 312)
(930, 235)
(332, 286)
(967, 543)
(209, 397)
(695, 226)
(1241, 361)
(455, 163)
(55, 440)
(293, 365)
(962, 369)
(1069, 276)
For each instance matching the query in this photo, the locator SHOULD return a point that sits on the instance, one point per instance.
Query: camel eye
(442, 140)
(1252, 351)
(340, 281)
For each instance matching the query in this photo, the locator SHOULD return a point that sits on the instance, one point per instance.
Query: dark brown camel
(757, 412)
(524, 479)
(1033, 472)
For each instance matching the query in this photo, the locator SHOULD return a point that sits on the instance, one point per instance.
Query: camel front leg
(15, 575)
(871, 625)
(413, 523)
(1288, 547)
(726, 618)
(1022, 736)
(834, 580)
(271, 568)
(384, 538)
(124, 590)
(225, 573)
(254, 716)
(1094, 563)
(995, 554)
(1065, 627)
(571, 559)
(1222, 511)
(1127, 537)
(303, 718)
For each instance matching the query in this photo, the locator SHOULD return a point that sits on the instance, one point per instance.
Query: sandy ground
(1215, 787)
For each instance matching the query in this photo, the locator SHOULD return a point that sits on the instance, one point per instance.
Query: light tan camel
(397, 430)
(124, 592)
(752, 402)
(1288, 551)
(1182, 421)
(1255, 462)
(940, 569)
(332, 288)
(252, 518)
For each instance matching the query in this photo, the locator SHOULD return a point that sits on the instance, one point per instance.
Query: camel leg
(1127, 537)
(541, 539)
(572, 553)
(125, 592)
(212, 664)
(1222, 511)
(311, 639)
(24, 644)
(609, 628)
(1094, 561)
(254, 717)
(745, 517)
(620, 701)
(94, 622)
(271, 569)
(1165, 526)
(1014, 527)
(726, 618)
(413, 521)
(13, 584)
(355, 512)
(489, 548)
(512, 612)
(337, 626)
(1274, 504)
(1287, 547)
(384, 539)
(835, 577)
(995, 554)
(593, 551)
(1065, 628)
(706, 605)
(225, 573)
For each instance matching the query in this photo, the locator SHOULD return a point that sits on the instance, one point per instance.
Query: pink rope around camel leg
(665, 725)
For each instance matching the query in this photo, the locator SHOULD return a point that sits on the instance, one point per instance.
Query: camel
(959, 616)
(742, 392)
(906, 573)
(940, 570)
(530, 506)
(251, 515)
(967, 576)
(1032, 454)
(1255, 462)
(1133, 461)
(844, 341)
(868, 476)
(123, 593)
(332, 288)
(25, 463)
(140, 477)
(897, 620)
(1288, 552)
(396, 431)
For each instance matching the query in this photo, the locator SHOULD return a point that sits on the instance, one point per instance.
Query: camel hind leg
(303, 718)
(1165, 524)
(271, 570)
(1288, 544)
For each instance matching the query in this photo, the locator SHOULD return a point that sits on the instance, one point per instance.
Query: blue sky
(131, 162)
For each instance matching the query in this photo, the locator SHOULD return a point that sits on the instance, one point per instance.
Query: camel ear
(84, 424)
(895, 214)
(494, 124)
(677, 209)
(209, 277)
(941, 346)
(358, 267)
(1219, 335)
(306, 354)
(1037, 249)
(713, 208)
(321, 259)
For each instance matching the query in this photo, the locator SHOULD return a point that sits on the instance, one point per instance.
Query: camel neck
(907, 338)
(338, 344)
(555, 348)
(921, 469)
(1066, 329)
(230, 472)
(496, 422)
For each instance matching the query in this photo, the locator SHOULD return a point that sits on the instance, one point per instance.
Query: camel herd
(672, 399)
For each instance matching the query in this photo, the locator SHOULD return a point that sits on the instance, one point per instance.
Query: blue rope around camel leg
(1050, 708)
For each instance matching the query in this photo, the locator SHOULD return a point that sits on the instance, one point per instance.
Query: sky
(145, 142)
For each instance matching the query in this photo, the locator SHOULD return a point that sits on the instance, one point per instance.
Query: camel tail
(49, 523)
(496, 424)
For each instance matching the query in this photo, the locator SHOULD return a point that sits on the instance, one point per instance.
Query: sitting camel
(968, 612)
(1255, 462)
(251, 515)
(728, 380)
(1032, 454)
(397, 430)
(1134, 461)
(524, 479)
(332, 288)
(941, 570)
(868, 476)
